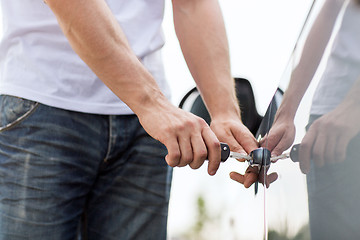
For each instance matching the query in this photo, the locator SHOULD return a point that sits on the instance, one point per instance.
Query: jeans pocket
(13, 110)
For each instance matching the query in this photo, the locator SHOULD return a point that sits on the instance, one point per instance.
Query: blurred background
(262, 35)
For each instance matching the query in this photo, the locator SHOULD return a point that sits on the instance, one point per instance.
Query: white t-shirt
(37, 62)
(343, 65)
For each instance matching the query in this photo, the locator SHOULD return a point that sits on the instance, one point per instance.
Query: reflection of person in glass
(329, 152)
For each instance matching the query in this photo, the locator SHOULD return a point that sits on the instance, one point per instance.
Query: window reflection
(329, 150)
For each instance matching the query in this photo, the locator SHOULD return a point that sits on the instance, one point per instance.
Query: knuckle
(174, 128)
(186, 159)
(195, 165)
(168, 130)
(174, 157)
(182, 127)
(316, 154)
(202, 122)
(171, 162)
(203, 154)
(200, 154)
(215, 144)
(189, 123)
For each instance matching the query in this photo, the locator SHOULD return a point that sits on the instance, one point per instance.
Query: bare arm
(200, 29)
(314, 48)
(282, 133)
(97, 38)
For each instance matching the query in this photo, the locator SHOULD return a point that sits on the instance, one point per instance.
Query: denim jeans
(334, 196)
(63, 173)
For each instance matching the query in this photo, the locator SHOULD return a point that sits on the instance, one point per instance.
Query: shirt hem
(53, 101)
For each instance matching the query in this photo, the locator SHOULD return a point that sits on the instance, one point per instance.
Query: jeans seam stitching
(110, 140)
(20, 119)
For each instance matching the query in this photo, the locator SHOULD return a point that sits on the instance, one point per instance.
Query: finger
(199, 152)
(318, 150)
(270, 140)
(278, 150)
(213, 150)
(305, 151)
(263, 140)
(245, 138)
(330, 149)
(341, 148)
(235, 146)
(284, 144)
(173, 156)
(241, 159)
(186, 151)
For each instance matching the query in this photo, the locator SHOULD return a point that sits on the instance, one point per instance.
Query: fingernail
(243, 152)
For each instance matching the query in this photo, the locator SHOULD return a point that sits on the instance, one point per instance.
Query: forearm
(200, 29)
(98, 39)
(351, 101)
(313, 51)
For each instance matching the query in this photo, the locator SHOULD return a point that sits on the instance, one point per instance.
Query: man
(70, 148)
(329, 152)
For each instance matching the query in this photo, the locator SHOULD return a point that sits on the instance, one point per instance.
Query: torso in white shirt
(343, 65)
(37, 62)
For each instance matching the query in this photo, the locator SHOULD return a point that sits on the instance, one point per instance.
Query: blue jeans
(63, 173)
(334, 196)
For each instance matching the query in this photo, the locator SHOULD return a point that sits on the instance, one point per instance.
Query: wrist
(226, 107)
(286, 112)
(150, 101)
(225, 114)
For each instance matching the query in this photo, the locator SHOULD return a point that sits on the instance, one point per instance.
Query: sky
(261, 35)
